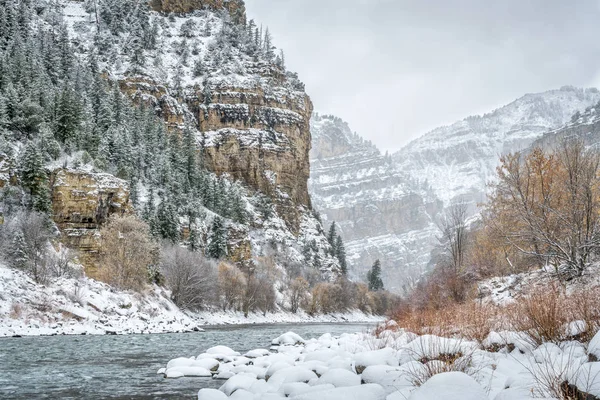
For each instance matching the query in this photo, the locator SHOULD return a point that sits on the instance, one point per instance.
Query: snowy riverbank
(85, 306)
(398, 365)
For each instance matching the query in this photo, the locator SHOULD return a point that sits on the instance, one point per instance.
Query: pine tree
(268, 48)
(34, 178)
(217, 245)
(198, 69)
(67, 116)
(341, 254)
(331, 237)
(194, 239)
(374, 277)
(167, 221)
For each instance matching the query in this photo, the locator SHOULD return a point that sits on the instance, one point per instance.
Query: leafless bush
(298, 289)
(25, 244)
(190, 276)
(77, 295)
(62, 264)
(126, 253)
(231, 282)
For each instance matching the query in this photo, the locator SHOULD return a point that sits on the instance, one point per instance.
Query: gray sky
(395, 69)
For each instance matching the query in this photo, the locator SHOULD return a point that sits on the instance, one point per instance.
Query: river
(124, 367)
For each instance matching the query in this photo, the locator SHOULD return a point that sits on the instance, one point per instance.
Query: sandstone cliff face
(258, 133)
(81, 203)
(235, 8)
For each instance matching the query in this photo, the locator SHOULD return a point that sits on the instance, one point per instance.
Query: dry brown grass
(543, 314)
(471, 321)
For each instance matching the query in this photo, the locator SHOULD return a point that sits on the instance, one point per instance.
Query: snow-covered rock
(450, 386)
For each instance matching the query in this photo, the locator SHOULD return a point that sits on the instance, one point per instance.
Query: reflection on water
(124, 367)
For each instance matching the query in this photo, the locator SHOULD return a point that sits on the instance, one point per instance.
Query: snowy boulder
(450, 386)
(339, 378)
(362, 392)
(180, 362)
(273, 368)
(222, 351)
(594, 348)
(324, 355)
(291, 374)
(237, 382)
(384, 356)
(431, 347)
(289, 339)
(295, 389)
(390, 378)
(178, 372)
(211, 394)
(257, 353)
(548, 353)
(205, 363)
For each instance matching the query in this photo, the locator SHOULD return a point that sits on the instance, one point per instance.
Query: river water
(124, 367)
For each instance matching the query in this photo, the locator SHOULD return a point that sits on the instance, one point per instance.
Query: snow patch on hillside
(85, 306)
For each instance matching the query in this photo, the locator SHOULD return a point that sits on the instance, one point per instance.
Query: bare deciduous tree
(190, 276)
(25, 243)
(454, 235)
(546, 205)
(126, 252)
(231, 286)
(298, 291)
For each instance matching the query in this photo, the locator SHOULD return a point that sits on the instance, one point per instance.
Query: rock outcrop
(257, 133)
(81, 203)
(235, 8)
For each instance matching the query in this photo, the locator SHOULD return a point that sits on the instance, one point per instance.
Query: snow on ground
(506, 289)
(86, 306)
(331, 368)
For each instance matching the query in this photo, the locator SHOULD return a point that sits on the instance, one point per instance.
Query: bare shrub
(231, 282)
(126, 252)
(62, 263)
(190, 276)
(25, 244)
(542, 315)
(298, 289)
(363, 300)
(78, 294)
(260, 290)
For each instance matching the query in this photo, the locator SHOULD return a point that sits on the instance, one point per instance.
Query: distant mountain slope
(380, 211)
(459, 159)
(583, 125)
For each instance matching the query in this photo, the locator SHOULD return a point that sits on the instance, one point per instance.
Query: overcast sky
(395, 69)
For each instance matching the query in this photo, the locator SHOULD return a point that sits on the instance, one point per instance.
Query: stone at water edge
(211, 394)
(450, 386)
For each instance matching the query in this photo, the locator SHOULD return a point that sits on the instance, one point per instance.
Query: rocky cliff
(235, 8)
(251, 116)
(218, 78)
(380, 212)
(82, 202)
